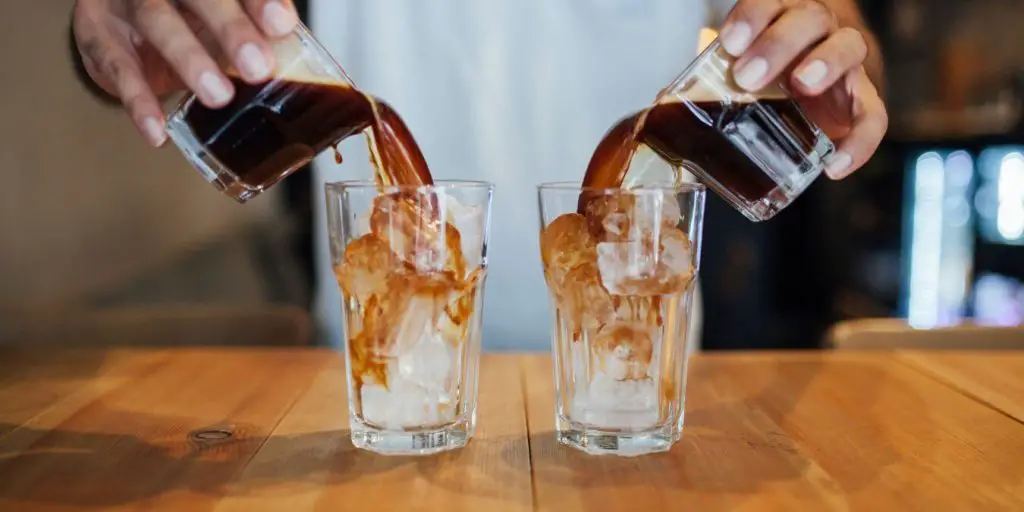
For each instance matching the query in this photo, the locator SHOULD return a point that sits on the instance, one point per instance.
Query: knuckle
(135, 102)
(843, 52)
(820, 15)
(93, 51)
(254, 6)
(148, 12)
(115, 69)
(233, 30)
(858, 43)
(750, 10)
(109, 64)
(181, 51)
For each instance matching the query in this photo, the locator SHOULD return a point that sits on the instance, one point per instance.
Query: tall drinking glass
(621, 266)
(411, 263)
(271, 129)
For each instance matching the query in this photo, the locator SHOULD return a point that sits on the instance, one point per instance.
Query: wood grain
(124, 440)
(33, 381)
(795, 432)
(117, 430)
(994, 378)
(310, 464)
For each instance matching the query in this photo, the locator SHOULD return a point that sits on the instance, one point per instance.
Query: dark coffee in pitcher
(271, 129)
(758, 151)
(687, 133)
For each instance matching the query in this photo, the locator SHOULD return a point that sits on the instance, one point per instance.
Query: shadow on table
(740, 446)
(109, 468)
(49, 363)
(310, 462)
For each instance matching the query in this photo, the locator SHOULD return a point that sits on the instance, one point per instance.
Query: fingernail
(813, 73)
(214, 87)
(252, 61)
(154, 130)
(278, 19)
(735, 38)
(839, 165)
(750, 74)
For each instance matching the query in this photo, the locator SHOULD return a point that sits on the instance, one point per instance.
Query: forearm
(848, 15)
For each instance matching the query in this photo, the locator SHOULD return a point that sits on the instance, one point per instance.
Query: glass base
(790, 183)
(208, 166)
(398, 442)
(632, 444)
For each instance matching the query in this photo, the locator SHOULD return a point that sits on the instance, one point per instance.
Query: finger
(111, 56)
(746, 21)
(277, 17)
(237, 37)
(782, 43)
(842, 52)
(164, 28)
(870, 122)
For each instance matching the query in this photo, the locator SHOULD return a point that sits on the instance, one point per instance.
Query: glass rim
(660, 188)
(305, 34)
(697, 62)
(346, 185)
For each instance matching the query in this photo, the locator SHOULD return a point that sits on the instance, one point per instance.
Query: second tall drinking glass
(621, 266)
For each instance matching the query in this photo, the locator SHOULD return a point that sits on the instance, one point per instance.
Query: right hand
(140, 50)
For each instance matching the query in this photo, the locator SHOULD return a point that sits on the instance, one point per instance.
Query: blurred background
(930, 232)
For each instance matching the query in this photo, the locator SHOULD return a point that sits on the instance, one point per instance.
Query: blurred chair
(894, 333)
(159, 326)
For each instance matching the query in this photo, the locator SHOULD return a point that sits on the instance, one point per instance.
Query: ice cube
(416, 319)
(458, 314)
(584, 302)
(638, 310)
(624, 351)
(566, 244)
(658, 207)
(361, 223)
(471, 223)
(630, 215)
(676, 261)
(642, 267)
(408, 223)
(626, 266)
(427, 363)
(403, 404)
(411, 388)
(605, 402)
(365, 267)
(455, 262)
(608, 216)
(394, 318)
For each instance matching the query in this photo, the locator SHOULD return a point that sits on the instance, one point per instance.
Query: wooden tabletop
(266, 429)
(995, 378)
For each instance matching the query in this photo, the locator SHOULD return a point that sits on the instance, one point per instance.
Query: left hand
(825, 64)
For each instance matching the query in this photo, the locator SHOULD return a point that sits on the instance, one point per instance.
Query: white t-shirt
(515, 92)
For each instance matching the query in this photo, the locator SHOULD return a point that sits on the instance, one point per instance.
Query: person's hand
(825, 64)
(140, 50)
